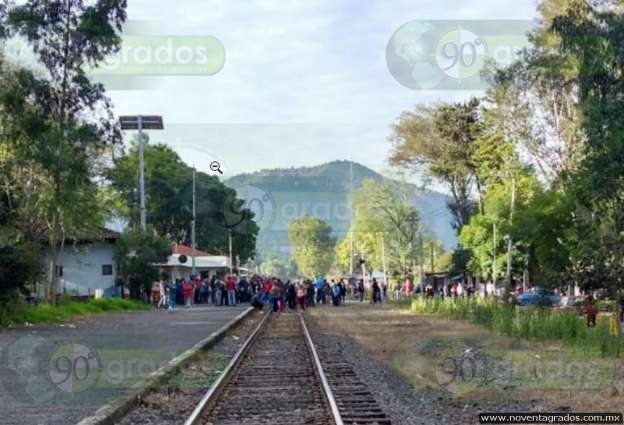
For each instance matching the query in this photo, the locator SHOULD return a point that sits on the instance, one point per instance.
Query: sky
(304, 82)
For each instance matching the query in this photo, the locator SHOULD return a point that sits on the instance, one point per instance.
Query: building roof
(93, 235)
(188, 251)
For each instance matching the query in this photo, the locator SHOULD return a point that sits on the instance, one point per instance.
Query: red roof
(188, 251)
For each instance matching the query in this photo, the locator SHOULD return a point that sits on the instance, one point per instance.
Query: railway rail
(277, 377)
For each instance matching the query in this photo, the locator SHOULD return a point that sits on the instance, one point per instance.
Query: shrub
(20, 313)
(526, 322)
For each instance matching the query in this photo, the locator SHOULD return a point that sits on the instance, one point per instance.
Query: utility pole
(383, 260)
(230, 243)
(140, 123)
(143, 218)
(422, 259)
(494, 255)
(193, 244)
(509, 239)
(432, 257)
(352, 248)
(525, 274)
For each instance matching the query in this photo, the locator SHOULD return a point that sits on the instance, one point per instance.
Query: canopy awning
(201, 262)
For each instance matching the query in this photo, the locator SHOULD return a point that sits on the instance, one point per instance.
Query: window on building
(59, 270)
(107, 269)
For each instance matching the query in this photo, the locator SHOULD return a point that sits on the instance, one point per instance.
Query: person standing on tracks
(375, 292)
(179, 294)
(244, 293)
(319, 284)
(343, 290)
(196, 282)
(230, 287)
(187, 293)
(309, 287)
(224, 294)
(361, 289)
(301, 296)
(220, 293)
(384, 291)
(162, 301)
(326, 292)
(212, 288)
(335, 291)
(275, 294)
(409, 287)
(203, 291)
(266, 290)
(291, 295)
(282, 299)
(172, 290)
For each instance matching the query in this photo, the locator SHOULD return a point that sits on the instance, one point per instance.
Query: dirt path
(458, 367)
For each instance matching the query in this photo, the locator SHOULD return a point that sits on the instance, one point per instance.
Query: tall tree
(382, 211)
(535, 100)
(313, 245)
(169, 193)
(592, 33)
(60, 120)
(439, 140)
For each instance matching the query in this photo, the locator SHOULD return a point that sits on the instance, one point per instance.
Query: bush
(18, 265)
(526, 322)
(20, 313)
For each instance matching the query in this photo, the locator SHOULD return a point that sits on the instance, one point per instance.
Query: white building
(86, 265)
(180, 263)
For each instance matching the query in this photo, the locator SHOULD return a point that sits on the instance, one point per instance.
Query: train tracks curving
(277, 377)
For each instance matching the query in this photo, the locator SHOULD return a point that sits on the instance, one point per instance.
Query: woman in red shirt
(187, 292)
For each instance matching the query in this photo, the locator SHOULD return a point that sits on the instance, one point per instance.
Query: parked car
(541, 297)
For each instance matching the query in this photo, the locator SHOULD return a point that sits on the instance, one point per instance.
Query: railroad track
(277, 377)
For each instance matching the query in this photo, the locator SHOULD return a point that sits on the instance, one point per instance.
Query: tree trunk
(53, 276)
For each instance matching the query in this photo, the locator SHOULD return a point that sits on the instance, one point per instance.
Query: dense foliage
(57, 135)
(313, 245)
(541, 155)
(169, 191)
(136, 252)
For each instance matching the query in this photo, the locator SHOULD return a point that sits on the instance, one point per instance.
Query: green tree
(136, 252)
(169, 191)
(381, 211)
(275, 266)
(440, 140)
(313, 245)
(592, 34)
(59, 121)
(535, 103)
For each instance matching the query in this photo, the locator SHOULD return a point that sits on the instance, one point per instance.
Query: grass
(65, 311)
(528, 323)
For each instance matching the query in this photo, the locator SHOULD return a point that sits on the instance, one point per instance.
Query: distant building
(85, 265)
(180, 263)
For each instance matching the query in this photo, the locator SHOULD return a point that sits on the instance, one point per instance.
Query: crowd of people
(227, 291)
(230, 290)
(302, 294)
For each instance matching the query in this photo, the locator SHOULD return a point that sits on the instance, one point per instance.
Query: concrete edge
(115, 410)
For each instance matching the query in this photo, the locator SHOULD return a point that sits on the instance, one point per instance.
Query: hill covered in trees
(279, 195)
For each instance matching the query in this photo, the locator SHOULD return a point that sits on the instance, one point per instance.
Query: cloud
(304, 82)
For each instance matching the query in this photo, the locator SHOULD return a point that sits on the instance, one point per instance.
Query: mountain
(279, 195)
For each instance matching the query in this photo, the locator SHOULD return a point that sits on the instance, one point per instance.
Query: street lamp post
(230, 246)
(194, 245)
(140, 123)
